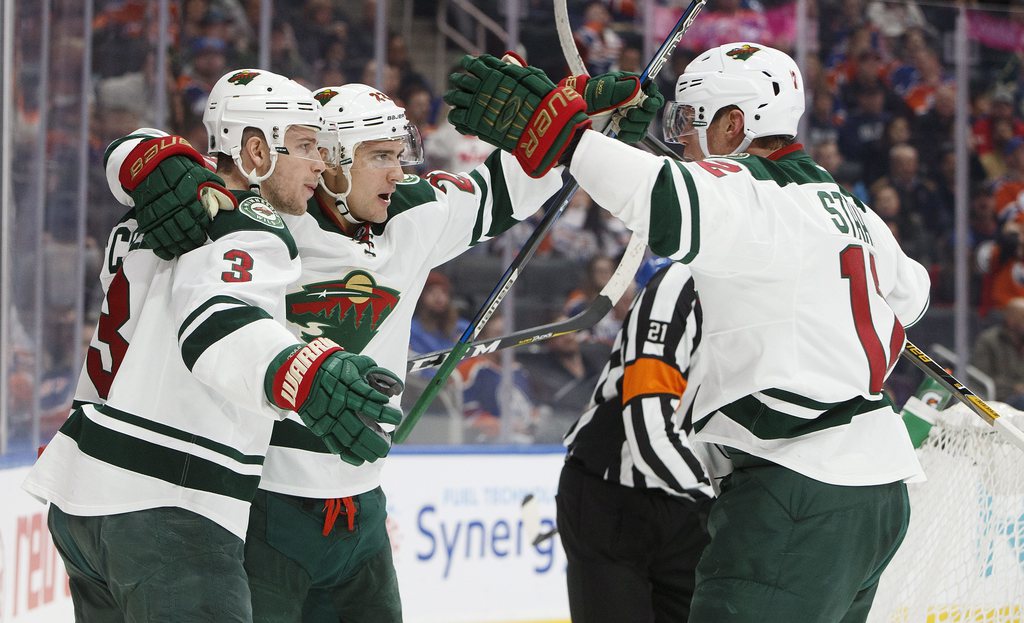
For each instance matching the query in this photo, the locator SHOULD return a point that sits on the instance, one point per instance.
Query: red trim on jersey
(785, 151)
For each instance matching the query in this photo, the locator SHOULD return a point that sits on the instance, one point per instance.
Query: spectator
(419, 107)
(398, 57)
(599, 270)
(496, 410)
(862, 137)
(586, 230)
(898, 132)
(332, 58)
(825, 119)
(599, 45)
(389, 77)
(907, 227)
(317, 24)
(1009, 189)
(894, 19)
(917, 193)
(607, 328)
(208, 65)
(1002, 269)
(284, 54)
(928, 77)
(989, 138)
(933, 130)
(436, 323)
(869, 73)
(999, 353)
(563, 375)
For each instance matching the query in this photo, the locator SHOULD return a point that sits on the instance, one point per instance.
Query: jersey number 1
(852, 267)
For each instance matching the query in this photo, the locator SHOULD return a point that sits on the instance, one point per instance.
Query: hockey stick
(531, 522)
(624, 273)
(962, 393)
(598, 309)
(525, 254)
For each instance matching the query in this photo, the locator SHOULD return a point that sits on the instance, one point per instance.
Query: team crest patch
(259, 210)
(349, 310)
(743, 52)
(243, 78)
(410, 179)
(325, 96)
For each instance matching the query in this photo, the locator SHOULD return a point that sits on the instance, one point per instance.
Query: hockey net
(963, 557)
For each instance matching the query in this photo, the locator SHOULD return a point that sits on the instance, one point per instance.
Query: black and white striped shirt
(631, 434)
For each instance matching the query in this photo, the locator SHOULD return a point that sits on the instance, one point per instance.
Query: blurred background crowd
(881, 116)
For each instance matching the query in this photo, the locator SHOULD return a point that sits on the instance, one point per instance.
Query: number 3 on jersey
(854, 268)
(241, 267)
(108, 332)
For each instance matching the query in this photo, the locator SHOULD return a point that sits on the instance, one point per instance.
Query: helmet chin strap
(702, 138)
(340, 199)
(254, 179)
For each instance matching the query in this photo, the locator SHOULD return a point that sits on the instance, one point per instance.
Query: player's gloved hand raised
(616, 97)
(341, 397)
(517, 109)
(175, 194)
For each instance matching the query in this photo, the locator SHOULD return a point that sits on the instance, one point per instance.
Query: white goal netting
(963, 557)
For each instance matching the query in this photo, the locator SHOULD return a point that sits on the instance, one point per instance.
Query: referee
(632, 498)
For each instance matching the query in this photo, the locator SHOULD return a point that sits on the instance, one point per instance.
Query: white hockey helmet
(254, 98)
(354, 114)
(761, 81)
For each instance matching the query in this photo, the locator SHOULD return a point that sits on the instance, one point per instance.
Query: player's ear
(736, 123)
(257, 152)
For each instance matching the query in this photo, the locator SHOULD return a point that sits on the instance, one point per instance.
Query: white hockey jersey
(361, 292)
(805, 294)
(170, 407)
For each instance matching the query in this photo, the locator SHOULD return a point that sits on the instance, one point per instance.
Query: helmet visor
(678, 122)
(401, 151)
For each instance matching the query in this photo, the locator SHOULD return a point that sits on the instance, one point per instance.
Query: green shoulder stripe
(410, 192)
(216, 327)
(501, 204)
(156, 461)
(666, 218)
(796, 168)
(253, 214)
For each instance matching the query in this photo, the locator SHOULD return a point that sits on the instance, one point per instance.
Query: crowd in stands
(880, 117)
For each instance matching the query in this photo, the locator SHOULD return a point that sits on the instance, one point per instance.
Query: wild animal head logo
(743, 52)
(325, 96)
(243, 78)
(349, 310)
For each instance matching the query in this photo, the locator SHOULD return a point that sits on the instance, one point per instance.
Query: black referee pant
(631, 552)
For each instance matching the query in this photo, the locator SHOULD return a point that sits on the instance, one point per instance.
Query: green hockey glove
(517, 109)
(175, 194)
(616, 98)
(341, 397)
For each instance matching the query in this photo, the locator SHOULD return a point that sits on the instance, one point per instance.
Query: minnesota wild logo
(325, 96)
(743, 52)
(243, 77)
(349, 310)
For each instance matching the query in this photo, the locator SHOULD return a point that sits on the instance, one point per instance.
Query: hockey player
(805, 294)
(152, 475)
(632, 498)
